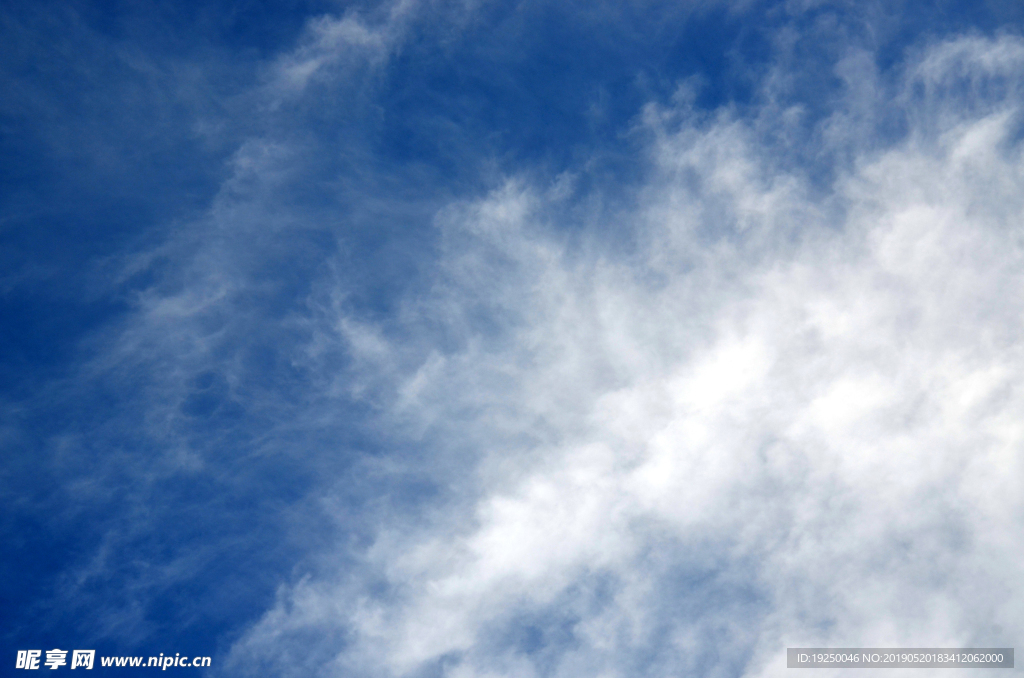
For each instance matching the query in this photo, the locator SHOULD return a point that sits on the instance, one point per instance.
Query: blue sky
(470, 338)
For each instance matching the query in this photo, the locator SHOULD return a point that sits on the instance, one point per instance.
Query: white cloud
(784, 420)
(343, 43)
(329, 41)
(354, 40)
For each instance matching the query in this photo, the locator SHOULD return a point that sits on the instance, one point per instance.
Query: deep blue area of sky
(100, 158)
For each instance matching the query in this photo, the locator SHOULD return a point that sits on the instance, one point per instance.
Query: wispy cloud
(328, 42)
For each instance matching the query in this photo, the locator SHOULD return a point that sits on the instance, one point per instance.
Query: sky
(510, 339)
